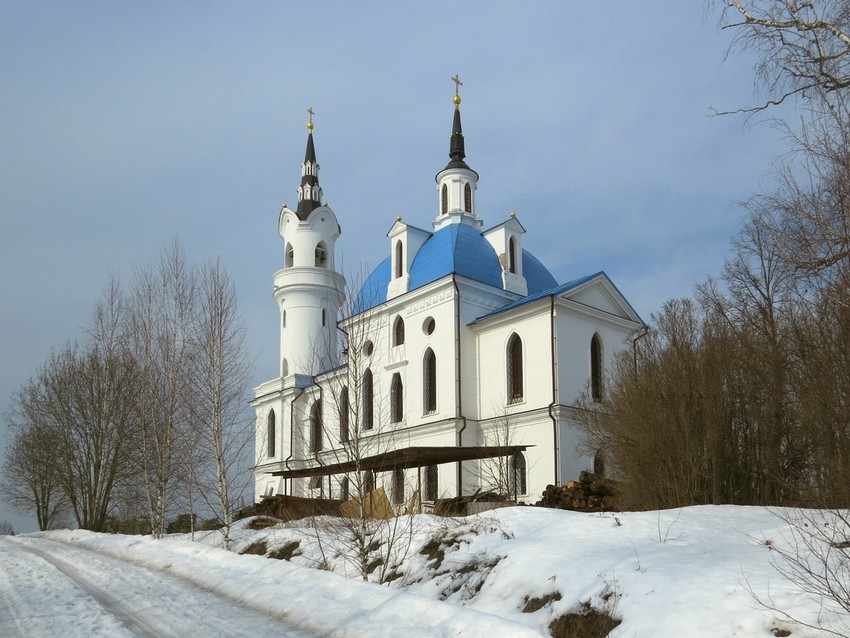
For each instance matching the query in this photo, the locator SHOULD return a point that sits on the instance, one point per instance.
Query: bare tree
(356, 422)
(499, 473)
(218, 390)
(803, 45)
(157, 331)
(30, 477)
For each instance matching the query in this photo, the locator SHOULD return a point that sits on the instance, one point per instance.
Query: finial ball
(398, 218)
(310, 126)
(513, 213)
(456, 100)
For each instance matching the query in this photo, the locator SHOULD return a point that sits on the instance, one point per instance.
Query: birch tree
(217, 398)
(157, 328)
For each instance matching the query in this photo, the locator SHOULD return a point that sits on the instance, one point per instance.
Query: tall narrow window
(398, 332)
(429, 381)
(290, 256)
(321, 255)
(316, 427)
(599, 464)
(515, 384)
(399, 259)
(271, 433)
(283, 319)
(445, 197)
(343, 489)
(368, 401)
(512, 255)
(369, 481)
(397, 399)
(344, 410)
(431, 483)
(467, 198)
(317, 485)
(517, 477)
(324, 317)
(398, 486)
(596, 367)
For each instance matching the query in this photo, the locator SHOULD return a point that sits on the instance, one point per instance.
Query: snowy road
(49, 588)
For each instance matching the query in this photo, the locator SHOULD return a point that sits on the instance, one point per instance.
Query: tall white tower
(308, 290)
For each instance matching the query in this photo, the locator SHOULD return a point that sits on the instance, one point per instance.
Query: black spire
(309, 193)
(456, 149)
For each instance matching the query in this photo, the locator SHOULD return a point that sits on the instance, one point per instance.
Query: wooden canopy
(406, 458)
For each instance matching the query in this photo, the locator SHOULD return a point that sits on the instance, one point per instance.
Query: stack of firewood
(591, 493)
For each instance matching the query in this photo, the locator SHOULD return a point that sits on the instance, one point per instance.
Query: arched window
(512, 255)
(316, 484)
(398, 486)
(324, 317)
(431, 483)
(343, 489)
(398, 331)
(399, 259)
(396, 399)
(599, 464)
(316, 427)
(271, 433)
(289, 259)
(596, 367)
(321, 255)
(283, 319)
(445, 197)
(344, 410)
(369, 481)
(429, 381)
(368, 401)
(467, 198)
(514, 369)
(517, 477)
(284, 368)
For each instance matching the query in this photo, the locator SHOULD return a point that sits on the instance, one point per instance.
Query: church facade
(453, 369)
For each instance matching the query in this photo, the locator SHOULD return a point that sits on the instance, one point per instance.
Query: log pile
(591, 493)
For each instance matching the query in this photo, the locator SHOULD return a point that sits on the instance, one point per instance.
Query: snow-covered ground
(700, 571)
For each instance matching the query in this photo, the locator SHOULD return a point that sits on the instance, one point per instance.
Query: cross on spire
(312, 113)
(458, 84)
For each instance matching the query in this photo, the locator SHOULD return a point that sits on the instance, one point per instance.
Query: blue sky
(126, 125)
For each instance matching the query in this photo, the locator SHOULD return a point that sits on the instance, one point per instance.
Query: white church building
(454, 368)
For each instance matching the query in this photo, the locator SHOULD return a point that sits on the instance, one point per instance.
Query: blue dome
(455, 249)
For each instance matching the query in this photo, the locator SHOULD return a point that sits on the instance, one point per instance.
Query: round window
(368, 348)
(428, 326)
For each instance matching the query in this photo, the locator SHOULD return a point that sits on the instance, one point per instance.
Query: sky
(128, 125)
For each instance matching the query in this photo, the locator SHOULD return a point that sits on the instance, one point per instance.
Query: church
(452, 370)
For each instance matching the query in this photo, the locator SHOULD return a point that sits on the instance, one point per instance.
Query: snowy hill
(700, 571)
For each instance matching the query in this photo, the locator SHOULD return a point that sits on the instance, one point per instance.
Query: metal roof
(457, 249)
(406, 458)
(558, 290)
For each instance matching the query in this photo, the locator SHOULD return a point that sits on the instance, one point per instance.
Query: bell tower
(308, 290)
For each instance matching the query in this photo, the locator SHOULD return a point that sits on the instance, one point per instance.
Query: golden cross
(312, 113)
(458, 84)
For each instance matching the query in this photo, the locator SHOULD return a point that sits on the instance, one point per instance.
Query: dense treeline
(741, 394)
(144, 416)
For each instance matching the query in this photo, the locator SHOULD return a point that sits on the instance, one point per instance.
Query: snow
(698, 571)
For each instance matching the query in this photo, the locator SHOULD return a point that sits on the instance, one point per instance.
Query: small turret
(457, 182)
